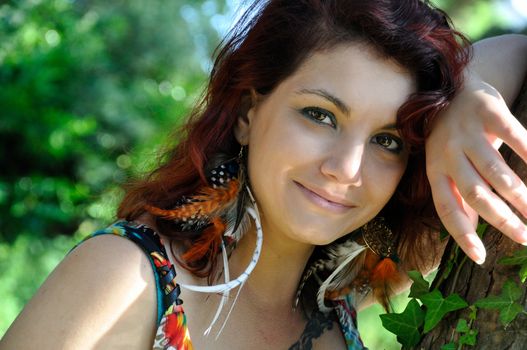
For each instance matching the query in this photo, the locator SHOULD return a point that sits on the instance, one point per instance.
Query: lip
(324, 199)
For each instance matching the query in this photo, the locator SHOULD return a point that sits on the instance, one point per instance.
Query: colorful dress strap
(347, 316)
(172, 331)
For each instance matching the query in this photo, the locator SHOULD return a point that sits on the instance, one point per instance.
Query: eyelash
(314, 113)
(319, 115)
(398, 142)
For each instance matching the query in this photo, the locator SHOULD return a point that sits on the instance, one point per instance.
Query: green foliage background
(89, 91)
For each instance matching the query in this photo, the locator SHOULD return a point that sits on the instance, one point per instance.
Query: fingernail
(480, 261)
(478, 256)
(523, 237)
(477, 251)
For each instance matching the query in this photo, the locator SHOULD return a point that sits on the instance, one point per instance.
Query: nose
(344, 164)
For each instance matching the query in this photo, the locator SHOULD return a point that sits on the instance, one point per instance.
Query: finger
(449, 207)
(494, 170)
(491, 207)
(506, 127)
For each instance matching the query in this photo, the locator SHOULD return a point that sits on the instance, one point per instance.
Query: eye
(319, 115)
(389, 142)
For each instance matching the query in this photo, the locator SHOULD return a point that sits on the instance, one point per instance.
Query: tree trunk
(473, 282)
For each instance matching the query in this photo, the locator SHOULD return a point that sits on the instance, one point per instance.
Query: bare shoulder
(101, 296)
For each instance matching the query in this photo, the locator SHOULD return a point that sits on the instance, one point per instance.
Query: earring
(336, 262)
(216, 210)
(380, 269)
(365, 262)
(380, 238)
(221, 211)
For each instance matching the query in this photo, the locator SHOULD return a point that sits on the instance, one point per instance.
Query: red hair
(266, 46)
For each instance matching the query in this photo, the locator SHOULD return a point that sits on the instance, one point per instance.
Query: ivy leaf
(449, 346)
(508, 315)
(448, 268)
(420, 285)
(437, 307)
(482, 227)
(405, 324)
(443, 233)
(506, 302)
(523, 273)
(518, 258)
(469, 338)
(473, 312)
(462, 326)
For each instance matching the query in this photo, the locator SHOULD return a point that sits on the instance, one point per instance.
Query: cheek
(384, 179)
(279, 143)
(269, 148)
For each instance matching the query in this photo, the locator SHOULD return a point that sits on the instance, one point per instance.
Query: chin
(318, 237)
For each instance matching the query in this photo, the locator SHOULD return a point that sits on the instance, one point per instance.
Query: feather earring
(377, 270)
(337, 257)
(382, 260)
(217, 210)
(220, 211)
(365, 262)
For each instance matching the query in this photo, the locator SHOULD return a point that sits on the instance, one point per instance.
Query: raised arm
(466, 172)
(502, 62)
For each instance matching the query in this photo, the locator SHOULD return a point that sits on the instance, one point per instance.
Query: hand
(464, 167)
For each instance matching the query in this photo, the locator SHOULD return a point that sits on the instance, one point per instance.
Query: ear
(242, 129)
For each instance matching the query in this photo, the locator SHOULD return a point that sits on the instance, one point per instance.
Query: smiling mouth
(322, 201)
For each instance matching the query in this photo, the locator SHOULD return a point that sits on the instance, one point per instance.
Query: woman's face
(324, 154)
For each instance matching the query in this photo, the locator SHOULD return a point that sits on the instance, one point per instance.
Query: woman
(316, 113)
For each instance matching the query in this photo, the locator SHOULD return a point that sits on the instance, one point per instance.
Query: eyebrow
(343, 107)
(390, 126)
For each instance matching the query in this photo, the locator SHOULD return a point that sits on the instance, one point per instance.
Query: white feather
(345, 253)
(225, 295)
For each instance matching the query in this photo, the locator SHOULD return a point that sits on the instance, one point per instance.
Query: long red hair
(267, 45)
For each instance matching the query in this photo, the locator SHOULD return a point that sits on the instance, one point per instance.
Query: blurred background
(89, 90)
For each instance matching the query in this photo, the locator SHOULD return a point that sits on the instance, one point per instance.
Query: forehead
(355, 74)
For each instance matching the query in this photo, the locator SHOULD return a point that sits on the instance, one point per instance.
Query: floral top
(172, 331)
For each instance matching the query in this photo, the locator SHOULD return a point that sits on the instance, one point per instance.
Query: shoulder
(102, 295)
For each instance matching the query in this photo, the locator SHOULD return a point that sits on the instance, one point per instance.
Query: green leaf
(508, 314)
(511, 290)
(506, 302)
(405, 324)
(482, 227)
(523, 273)
(518, 258)
(473, 312)
(493, 302)
(462, 326)
(437, 307)
(448, 268)
(420, 285)
(443, 233)
(469, 338)
(449, 346)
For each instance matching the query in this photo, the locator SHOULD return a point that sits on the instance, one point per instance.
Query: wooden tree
(490, 282)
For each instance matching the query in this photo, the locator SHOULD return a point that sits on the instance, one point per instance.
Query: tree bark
(473, 282)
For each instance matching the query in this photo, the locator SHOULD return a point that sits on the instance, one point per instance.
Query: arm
(101, 296)
(502, 62)
(463, 164)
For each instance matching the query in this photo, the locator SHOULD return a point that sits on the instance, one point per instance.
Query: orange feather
(208, 242)
(384, 271)
(379, 274)
(206, 203)
(382, 278)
